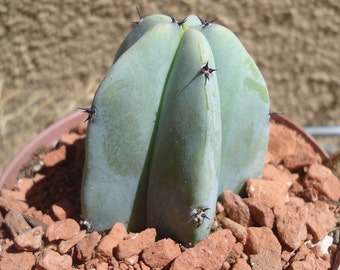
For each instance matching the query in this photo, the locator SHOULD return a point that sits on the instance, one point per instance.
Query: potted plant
(182, 115)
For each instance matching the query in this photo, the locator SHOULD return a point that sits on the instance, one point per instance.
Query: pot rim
(51, 135)
(48, 137)
(281, 119)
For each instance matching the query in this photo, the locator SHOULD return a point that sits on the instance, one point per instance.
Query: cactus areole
(181, 116)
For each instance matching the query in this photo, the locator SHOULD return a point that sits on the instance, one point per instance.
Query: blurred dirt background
(54, 53)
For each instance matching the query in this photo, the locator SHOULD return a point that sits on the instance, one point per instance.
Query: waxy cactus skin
(181, 116)
(186, 159)
(120, 132)
(244, 109)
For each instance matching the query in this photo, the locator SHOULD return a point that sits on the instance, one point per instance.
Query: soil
(55, 53)
(289, 220)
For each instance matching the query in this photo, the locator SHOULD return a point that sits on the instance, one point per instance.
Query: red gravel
(293, 207)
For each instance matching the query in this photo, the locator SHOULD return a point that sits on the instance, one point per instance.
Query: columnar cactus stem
(186, 159)
(119, 137)
(244, 109)
(181, 116)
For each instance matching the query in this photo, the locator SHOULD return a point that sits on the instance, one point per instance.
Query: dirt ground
(53, 55)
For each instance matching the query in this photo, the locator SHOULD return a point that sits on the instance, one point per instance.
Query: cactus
(181, 116)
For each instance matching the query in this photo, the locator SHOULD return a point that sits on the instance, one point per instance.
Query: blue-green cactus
(181, 116)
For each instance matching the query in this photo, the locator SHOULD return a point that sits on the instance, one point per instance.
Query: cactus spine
(181, 116)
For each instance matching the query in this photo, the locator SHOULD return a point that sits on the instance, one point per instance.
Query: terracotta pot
(281, 119)
(49, 137)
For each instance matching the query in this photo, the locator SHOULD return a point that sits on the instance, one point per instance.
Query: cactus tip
(181, 22)
(140, 16)
(206, 22)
